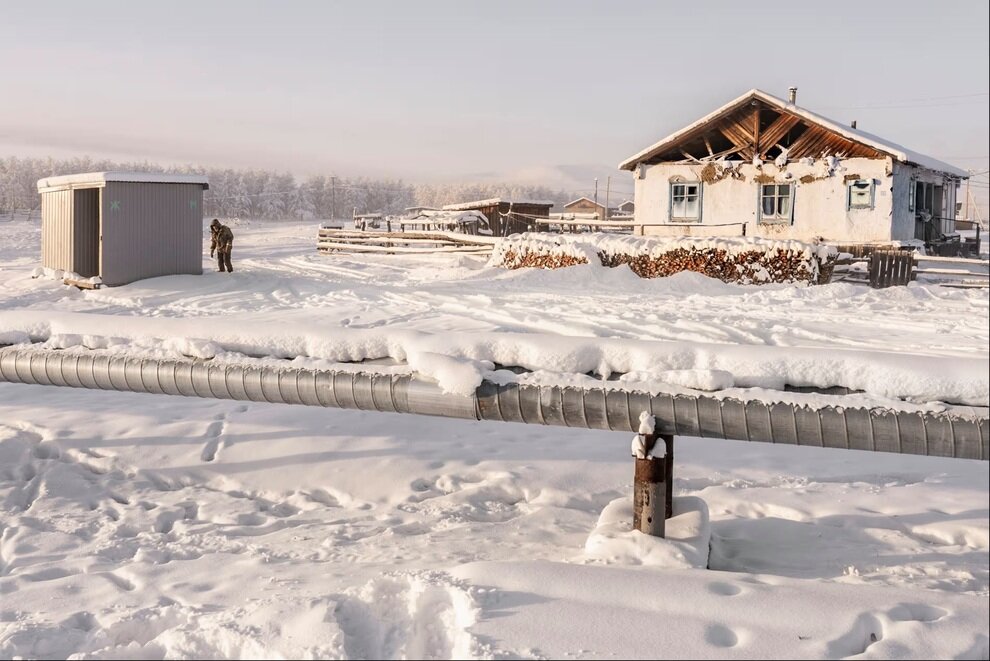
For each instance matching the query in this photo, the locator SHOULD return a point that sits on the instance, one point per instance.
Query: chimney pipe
(853, 125)
(792, 95)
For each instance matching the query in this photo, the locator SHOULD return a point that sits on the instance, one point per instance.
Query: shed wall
(149, 230)
(56, 230)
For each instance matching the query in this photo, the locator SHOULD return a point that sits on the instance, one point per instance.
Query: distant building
(464, 222)
(765, 165)
(415, 211)
(585, 205)
(506, 216)
(123, 226)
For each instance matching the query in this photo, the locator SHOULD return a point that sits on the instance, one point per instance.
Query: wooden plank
(708, 145)
(756, 130)
(777, 130)
(965, 285)
(440, 236)
(822, 145)
(348, 247)
(909, 266)
(798, 147)
(954, 260)
(883, 277)
(735, 133)
(873, 269)
(81, 284)
(389, 241)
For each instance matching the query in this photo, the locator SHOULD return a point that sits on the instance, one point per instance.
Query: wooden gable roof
(758, 124)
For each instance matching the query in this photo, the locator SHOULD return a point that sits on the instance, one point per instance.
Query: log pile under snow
(746, 260)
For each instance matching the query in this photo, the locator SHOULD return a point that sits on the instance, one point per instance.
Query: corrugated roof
(100, 178)
(894, 150)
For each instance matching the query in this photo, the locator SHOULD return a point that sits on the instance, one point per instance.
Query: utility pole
(608, 188)
(968, 179)
(596, 191)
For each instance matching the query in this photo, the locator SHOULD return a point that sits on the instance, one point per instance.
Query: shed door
(86, 232)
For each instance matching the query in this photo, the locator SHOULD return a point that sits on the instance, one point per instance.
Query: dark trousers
(223, 260)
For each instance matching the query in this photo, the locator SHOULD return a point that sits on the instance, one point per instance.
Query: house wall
(819, 200)
(149, 230)
(905, 178)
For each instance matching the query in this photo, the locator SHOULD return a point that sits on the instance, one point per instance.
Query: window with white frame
(859, 194)
(776, 203)
(912, 191)
(685, 202)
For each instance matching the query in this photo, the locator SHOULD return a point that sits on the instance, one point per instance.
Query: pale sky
(461, 91)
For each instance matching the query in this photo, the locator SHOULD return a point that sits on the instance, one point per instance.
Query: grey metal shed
(123, 226)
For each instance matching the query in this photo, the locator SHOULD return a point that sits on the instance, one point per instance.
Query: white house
(766, 167)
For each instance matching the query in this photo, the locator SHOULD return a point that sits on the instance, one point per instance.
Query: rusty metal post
(653, 487)
(668, 475)
(649, 496)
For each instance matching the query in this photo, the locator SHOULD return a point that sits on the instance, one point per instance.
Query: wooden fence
(580, 225)
(401, 243)
(882, 268)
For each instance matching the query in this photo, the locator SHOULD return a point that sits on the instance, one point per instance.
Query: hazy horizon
(554, 92)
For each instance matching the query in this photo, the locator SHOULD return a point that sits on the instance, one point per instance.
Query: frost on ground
(136, 526)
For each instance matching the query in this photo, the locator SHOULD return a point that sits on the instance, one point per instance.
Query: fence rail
(888, 267)
(628, 226)
(404, 243)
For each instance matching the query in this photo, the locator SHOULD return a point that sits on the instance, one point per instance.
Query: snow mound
(421, 615)
(613, 541)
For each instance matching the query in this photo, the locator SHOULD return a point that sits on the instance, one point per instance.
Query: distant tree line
(267, 194)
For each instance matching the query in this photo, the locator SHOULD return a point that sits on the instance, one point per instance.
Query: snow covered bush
(745, 260)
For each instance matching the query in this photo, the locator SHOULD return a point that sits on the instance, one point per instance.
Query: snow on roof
(452, 217)
(465, 206)
(896, 151)
(100, 178)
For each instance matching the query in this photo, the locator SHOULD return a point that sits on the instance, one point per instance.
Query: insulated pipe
(880, 430)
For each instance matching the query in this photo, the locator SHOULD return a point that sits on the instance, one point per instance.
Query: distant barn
(123, 226)
(506, 216)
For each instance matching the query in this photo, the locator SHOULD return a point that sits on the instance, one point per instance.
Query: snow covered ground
(136, 526)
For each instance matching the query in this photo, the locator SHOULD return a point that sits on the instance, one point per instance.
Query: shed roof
(466, 206)
(95, 179)
(894, 150)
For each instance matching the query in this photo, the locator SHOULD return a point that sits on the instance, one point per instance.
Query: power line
(924, 102)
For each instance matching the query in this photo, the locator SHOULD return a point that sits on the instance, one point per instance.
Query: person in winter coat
(222, 241)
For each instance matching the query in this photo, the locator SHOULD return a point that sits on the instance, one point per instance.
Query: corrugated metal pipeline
(935, 434)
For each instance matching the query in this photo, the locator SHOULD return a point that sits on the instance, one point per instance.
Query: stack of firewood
(744, 267)
(519, 259)
(747, 263)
